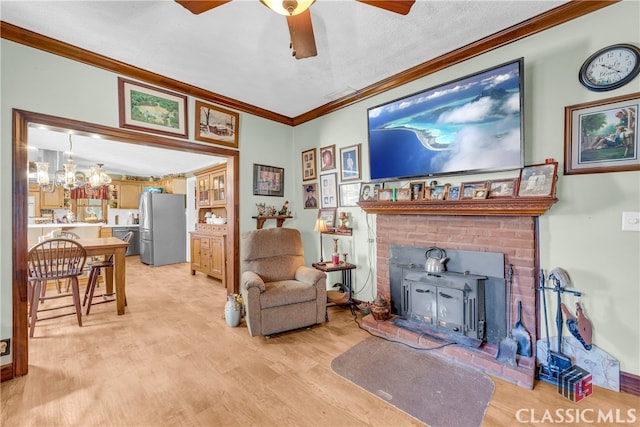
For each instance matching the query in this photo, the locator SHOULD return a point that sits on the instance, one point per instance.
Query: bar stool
(92, 282)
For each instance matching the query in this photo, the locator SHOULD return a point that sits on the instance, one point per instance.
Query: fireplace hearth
(508, 238)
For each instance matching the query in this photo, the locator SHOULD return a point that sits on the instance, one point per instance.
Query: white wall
(581, 233)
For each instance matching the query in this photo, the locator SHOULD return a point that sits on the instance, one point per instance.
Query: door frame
(21, 120)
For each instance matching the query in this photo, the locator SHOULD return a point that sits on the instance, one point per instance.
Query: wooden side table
(346, 268)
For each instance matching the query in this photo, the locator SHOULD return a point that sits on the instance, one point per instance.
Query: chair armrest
(309, 275)
(250, 279)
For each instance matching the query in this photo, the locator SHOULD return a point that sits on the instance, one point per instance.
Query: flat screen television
(469, 125)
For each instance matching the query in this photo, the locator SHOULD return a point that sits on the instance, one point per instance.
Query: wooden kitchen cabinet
(208, 254)
(53, 200)
(211, 187)
(129, 195)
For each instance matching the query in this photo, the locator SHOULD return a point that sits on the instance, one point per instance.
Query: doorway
(21, 122)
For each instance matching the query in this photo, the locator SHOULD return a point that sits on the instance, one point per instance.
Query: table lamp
(321, 227)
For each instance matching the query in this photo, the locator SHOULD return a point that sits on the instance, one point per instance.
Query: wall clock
(610, 68)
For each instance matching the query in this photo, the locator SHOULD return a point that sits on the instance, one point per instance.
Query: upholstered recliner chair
(279, 292)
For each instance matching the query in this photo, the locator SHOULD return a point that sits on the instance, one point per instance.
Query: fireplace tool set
(558, 362)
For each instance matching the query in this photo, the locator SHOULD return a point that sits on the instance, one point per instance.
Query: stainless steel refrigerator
(163, 228)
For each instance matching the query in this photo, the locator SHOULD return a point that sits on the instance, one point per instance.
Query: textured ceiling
(241, 50)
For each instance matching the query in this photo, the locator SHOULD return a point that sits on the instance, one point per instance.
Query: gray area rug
(425, 386)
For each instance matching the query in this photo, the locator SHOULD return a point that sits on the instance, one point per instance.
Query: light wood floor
(171, 360)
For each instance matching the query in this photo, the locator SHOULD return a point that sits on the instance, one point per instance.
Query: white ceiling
(240, 50)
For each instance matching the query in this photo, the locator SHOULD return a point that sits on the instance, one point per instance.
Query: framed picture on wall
(349, 194)
(350, 163)
(309, 165)
(309, 195)
(268, 180)
(328, 191)
(327, 158)
(216, 125)
(151, 109)
(602, 136)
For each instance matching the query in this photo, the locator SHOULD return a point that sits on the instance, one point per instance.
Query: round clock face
(611, 67)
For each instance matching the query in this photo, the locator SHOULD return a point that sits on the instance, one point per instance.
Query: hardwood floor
(172, 360)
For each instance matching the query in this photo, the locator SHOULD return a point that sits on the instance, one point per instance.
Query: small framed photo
(309, 192)
(503, 188)
(466, 189)
(426, 193)
(602, 136)
(480, 193)
(438, 192)
(417, 190)
(385, 194)
(216, 125)
(309, 165)
(349, 194)
(329, 216)
(538, 180)
(350, 163)
(328, 158)
(151, 109)
(268, 180)
(403, 194)
(369, 191)
(328, 191)
(454, 192)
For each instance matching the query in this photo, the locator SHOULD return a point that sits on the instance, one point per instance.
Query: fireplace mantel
(517, 206)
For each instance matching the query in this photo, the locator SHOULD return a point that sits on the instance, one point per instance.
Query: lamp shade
(288, 7)
(321, 226)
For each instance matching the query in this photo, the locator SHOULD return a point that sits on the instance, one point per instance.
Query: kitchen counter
(67, 225)
(120, 225)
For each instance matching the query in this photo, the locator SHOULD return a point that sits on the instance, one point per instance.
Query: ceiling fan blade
(303, 41)
(398, 6)
(198, 6)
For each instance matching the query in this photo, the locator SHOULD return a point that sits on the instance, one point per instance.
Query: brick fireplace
(512, 233)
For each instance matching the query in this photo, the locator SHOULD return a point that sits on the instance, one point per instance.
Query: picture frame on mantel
(602, 136)
(152, 109)
(216, 125)
(538, 180)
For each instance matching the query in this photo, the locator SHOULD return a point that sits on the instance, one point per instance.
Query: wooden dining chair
(54, 259)
(94, 273)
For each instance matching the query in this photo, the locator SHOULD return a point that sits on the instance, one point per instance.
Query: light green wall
(581, 233)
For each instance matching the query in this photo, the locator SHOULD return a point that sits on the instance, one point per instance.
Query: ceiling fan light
(288, 7)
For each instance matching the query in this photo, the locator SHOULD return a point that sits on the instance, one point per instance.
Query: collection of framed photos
(534, 181)
(339, 180)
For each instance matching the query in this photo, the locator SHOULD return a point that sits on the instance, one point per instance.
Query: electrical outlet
(5, 347)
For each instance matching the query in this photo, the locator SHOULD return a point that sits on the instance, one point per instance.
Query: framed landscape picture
(309, 165)
(602, 136)
(216, 125)
(268, 180)
(151, 109)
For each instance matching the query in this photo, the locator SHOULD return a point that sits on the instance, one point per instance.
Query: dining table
(107, 246)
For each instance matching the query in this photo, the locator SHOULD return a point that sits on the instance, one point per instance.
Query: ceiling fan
(303, 42)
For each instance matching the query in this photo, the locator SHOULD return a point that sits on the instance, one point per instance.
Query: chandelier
(69, 177)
